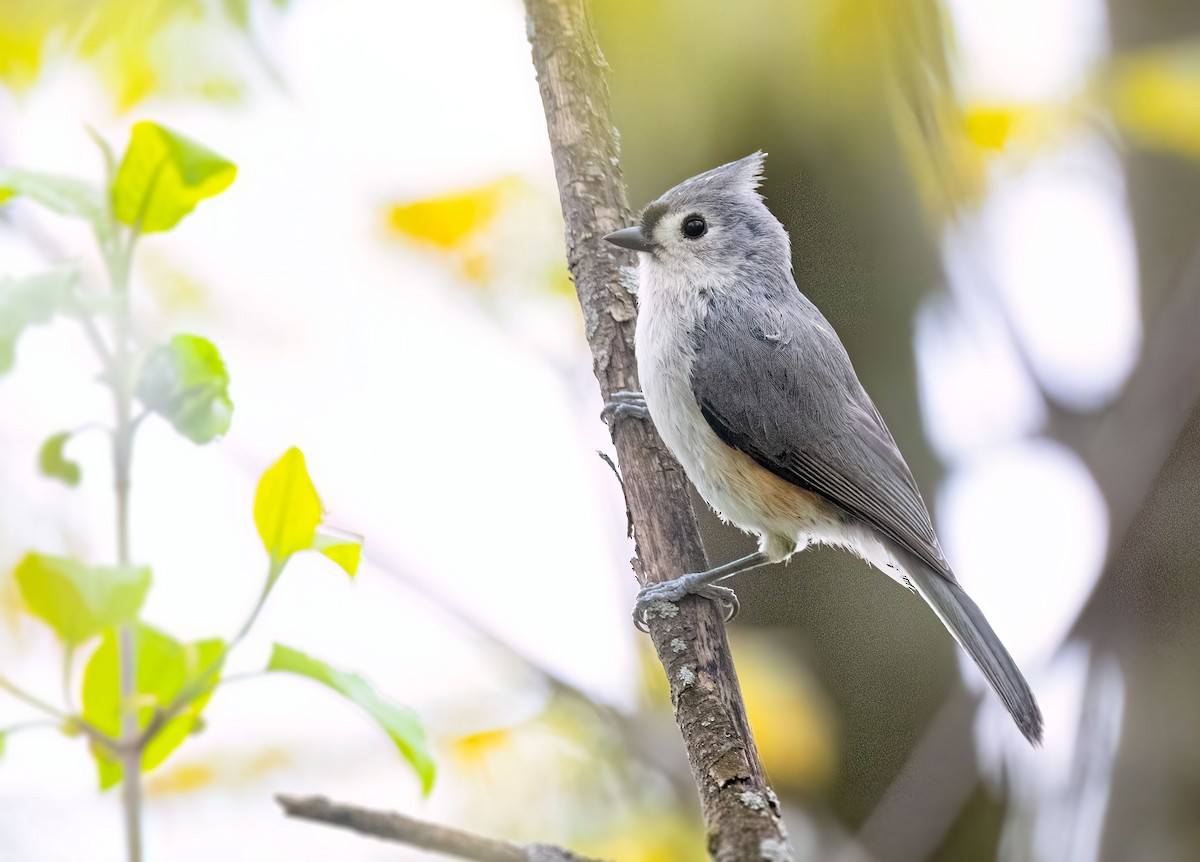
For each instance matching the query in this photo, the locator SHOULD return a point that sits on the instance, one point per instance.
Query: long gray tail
(970, 628)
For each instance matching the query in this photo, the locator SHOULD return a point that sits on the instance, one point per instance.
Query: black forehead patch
(652, 216)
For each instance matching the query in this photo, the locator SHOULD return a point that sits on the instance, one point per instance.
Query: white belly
(733, 484)
(783, 516)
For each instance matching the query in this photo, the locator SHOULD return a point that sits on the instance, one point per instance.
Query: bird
(754, 394)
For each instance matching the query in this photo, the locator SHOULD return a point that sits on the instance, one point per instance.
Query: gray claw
(624, 405)
(659, 600)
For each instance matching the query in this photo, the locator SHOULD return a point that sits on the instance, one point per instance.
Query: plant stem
(122, 382)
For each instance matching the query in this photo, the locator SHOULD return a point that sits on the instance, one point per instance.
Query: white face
(688, 244)
(700, 247)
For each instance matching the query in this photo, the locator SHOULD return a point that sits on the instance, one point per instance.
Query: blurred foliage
(654, 835)
(587, 765)
(448, 221)
(186, 383)
(502, 238)
(80, 602)
(795, 725)
(1155, 94)
(181, 779)
(138, 48)
(226, 768)
(143, 691)
(28, 301)
(166, 669)
(54, 463)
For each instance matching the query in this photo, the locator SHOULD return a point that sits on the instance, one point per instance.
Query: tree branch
(740, 809)
(390, 826)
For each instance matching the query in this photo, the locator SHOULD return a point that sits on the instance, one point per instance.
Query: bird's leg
(701, 584)
(624, 404)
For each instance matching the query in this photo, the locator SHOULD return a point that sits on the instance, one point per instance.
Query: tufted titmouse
(754, 394)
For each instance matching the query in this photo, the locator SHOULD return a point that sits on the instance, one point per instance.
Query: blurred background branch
(392, 826)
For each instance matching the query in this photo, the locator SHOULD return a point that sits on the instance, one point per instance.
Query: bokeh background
(997, 205)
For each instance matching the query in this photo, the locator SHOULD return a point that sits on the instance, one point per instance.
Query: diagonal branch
(740, 810)
(390, 826)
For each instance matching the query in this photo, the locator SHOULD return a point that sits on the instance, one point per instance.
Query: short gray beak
(631, 237)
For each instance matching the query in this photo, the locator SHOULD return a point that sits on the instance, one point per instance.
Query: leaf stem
(196, 686)
(67, 669)
(61, 719)
(36, 703)
(97, 340)
(33, 724)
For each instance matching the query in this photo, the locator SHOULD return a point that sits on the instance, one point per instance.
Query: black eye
(694, 226)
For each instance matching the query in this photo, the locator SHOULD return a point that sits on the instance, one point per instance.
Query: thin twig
(36, 703)
(61, 719)
(607, 459)
(402, 829)
(200, 683)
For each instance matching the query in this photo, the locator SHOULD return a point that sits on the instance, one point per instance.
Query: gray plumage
(753, 392)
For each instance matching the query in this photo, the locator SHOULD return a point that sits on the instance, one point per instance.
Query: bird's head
(714, 222)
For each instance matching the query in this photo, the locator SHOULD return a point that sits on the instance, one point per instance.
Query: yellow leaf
(473, 749)
(185, 778)
(657, 835)
(163, 175)
(287, 509)
(448, 221)
(1155, 96)
(345, 549)
(990, 127)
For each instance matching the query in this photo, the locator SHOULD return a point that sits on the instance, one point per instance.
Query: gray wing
(773, 381)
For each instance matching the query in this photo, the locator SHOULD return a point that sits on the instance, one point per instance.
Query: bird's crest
(746, 174)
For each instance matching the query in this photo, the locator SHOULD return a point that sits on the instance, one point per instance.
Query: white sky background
(363, 353)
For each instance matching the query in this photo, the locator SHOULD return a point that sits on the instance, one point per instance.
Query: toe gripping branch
(624, 404)
(696, 583)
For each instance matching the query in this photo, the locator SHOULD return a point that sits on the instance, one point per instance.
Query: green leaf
(397, 721)
(165, 667)
(345, 550)
(80, 601)
(287, 509)
(30, 300)
(53, 463)
(162, 177)
(64, 195)
(186, 383)
(3, 744)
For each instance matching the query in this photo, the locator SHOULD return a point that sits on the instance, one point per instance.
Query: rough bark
(740, 809)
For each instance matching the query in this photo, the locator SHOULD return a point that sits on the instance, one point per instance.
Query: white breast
(734, 485)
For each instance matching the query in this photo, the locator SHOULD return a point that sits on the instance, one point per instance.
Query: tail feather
(970, 628)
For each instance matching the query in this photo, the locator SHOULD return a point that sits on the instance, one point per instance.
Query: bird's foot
(659, 600)
(624, 405)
